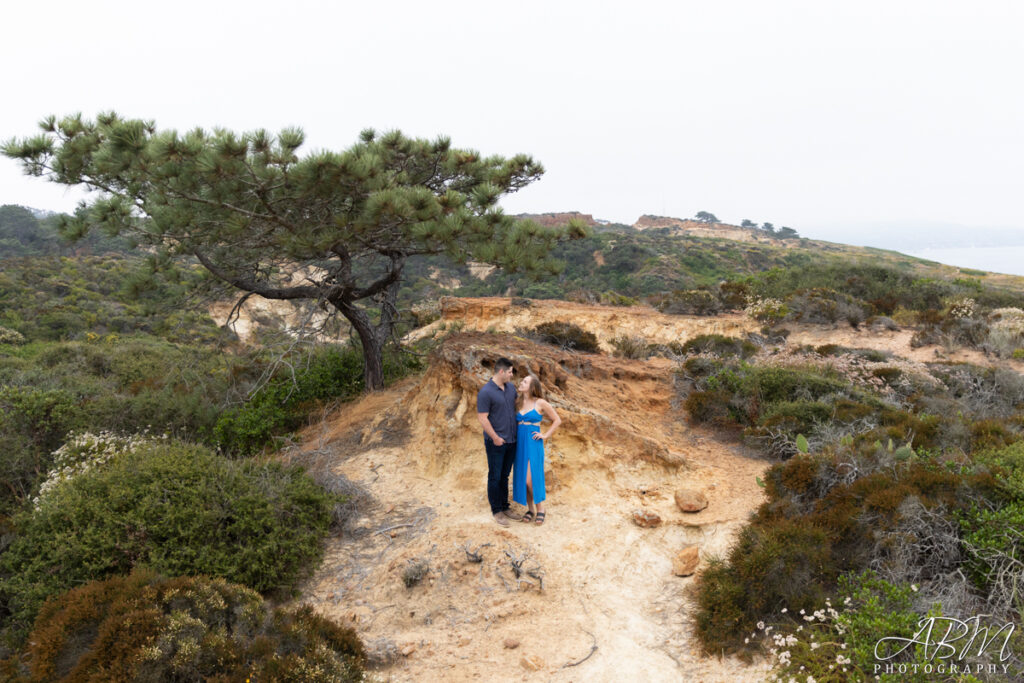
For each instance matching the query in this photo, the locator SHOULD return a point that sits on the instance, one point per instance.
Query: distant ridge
(689, 226)
(558, 218)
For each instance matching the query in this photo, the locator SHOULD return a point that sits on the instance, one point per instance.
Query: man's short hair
(502, 364)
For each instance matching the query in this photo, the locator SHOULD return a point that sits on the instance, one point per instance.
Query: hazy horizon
(803, 114)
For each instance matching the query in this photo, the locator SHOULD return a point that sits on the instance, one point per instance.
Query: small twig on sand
(593, 649)
(508, 588)
(517, 562)
(474, 556)
(392, 528)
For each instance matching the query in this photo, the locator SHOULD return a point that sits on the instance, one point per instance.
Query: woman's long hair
(536, 391)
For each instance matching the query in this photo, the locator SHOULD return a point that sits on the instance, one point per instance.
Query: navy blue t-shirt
(500, 407)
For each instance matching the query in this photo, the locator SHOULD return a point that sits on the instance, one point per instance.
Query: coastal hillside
(751, 428)
(428, 580)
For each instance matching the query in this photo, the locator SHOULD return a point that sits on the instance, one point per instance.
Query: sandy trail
(606, 582)
(610, 606)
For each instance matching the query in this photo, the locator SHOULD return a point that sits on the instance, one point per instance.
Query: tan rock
(646, 518)
(408, 649)
(532, 663)
(689, 500)
(686, 560)
(511, 643)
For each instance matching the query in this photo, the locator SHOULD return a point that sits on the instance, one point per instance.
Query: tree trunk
(373, 345)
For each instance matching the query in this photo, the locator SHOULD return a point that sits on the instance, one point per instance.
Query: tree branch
(256, 287)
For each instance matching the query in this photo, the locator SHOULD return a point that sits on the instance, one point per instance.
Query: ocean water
(995, 259)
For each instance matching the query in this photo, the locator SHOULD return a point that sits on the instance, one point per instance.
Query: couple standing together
(513, 439)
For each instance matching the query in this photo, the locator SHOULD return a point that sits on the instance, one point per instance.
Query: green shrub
(616, 299)
(871, 355)
(828, 527)
(8, 336)
(146, 627)
(690, 302)
(33, 423)
(823, 305)
(1008, 463)
(833, 645)
(701, 367)
(767, 310)
(567, 335)
(796, 417)
(709, 406)
(990, 545)
(734, 295)
(786, 564)
(720, 345)
(625, 346)
(783, 384)
(174, 507)
(284, 403)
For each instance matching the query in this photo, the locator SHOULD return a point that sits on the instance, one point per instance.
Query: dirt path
(607, 583)
(610, 607)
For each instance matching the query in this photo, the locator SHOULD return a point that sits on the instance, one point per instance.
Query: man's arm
(489, 430)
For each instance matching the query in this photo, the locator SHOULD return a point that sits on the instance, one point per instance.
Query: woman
(528, 474)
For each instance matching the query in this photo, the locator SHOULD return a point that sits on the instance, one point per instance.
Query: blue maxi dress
(529, 452)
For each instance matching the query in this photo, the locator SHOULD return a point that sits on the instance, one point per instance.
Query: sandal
(540, 518)
(528, 517)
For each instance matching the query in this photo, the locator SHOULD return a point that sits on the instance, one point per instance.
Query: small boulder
(408, 649)
(646, 518)
(689, 500)
(686, 560)
(511, 643)
(532, 663)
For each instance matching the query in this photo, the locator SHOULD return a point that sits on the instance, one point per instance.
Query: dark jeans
(499, 465)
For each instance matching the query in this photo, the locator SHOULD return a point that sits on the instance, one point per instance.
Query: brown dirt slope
(416, 452)
(498, 314)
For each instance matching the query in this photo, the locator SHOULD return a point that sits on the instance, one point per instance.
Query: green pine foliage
(259, 217)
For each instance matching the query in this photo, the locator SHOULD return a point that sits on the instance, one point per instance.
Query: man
(496, 410)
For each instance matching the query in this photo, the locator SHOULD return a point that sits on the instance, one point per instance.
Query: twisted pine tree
(337, 228)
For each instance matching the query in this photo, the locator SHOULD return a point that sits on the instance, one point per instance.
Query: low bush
(871, 355)
(995, 544)
(625, 346)
(616, 299)
(9, 336)
(720, 345)
(789, 563)
(690, 302)
(284, 403)
(144, 627)
(834, 516)
(569, 336)
(174, 507)
(823, 305)
(33, 423)
(734, 295)
(1006, 330)
(837, 642)
(767, 310)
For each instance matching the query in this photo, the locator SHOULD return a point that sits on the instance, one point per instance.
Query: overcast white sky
(809, 114)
